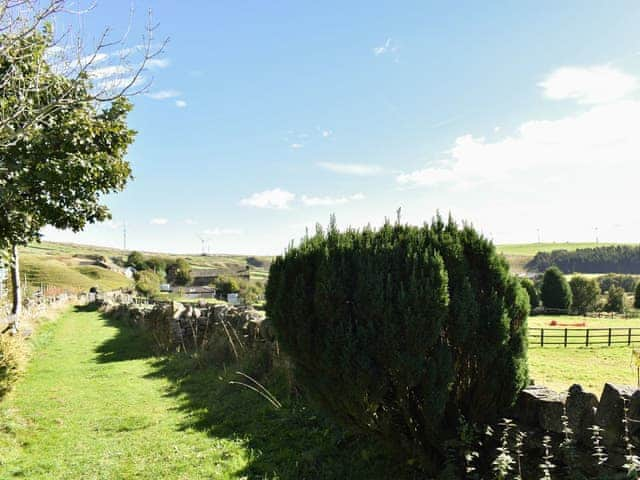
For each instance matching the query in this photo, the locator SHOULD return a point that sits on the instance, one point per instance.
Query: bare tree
(113, 64)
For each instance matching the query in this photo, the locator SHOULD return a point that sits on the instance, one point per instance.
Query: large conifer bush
(402, 331)
(555, 291)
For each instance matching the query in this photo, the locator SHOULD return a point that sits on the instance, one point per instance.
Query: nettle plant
(401, 331)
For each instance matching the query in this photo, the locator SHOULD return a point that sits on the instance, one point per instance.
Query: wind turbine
(205, 243)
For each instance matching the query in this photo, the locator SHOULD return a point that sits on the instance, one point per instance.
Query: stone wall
(540, 411)
(176, 326)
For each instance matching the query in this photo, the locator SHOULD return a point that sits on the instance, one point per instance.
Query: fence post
(586, 342)
(565, 338)
(609, 337)
(542, 337)
(629, 338)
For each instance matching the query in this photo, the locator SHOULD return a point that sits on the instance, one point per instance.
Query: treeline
(616, 259)
(581, 295)
(152, 271)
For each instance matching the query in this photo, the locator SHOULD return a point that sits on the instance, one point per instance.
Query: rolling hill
(80, 267)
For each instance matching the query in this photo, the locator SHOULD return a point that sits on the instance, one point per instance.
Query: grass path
(90, 407)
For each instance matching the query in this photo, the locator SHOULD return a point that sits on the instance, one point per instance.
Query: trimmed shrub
(401, 331)
(615, 300)
(555, 291)
(585, 294)
(530, 287)
(636, 299)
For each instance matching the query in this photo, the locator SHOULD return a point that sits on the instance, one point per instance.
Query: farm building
(195, 292)
(203, 277)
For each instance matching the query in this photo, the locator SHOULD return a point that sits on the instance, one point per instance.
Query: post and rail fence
(583, 337)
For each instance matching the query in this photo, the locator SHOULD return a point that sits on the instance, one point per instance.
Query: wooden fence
(583, 337)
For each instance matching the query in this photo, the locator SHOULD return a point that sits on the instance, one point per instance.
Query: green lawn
(95, 404)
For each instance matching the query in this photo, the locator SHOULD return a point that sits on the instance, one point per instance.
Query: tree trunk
(16, 308)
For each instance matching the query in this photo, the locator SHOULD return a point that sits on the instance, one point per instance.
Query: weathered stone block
(581, 411)
(540, 407)
(611, 412)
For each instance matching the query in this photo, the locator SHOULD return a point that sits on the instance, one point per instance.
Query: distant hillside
(80, 267)
(519, 255)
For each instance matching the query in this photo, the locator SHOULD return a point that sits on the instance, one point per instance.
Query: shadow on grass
(130, 343)
(293, 442)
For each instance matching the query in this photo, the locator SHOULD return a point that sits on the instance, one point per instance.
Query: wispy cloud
(326, 133)
(116, 84)
(588, 85)
(158, 63)
(277, 199)
(164, 94)
(296, 146)
(158, 221)
(359, 169)
(108, 72)
(181, 103)
(387, 48)
(327, 201)
(190, 221)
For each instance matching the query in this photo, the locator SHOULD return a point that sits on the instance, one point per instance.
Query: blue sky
(266, 117)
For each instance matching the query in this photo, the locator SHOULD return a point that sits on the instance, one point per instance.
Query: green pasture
(530, 249)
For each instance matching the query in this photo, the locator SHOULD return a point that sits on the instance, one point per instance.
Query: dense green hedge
(402, 331)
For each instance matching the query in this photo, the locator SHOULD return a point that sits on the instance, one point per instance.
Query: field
(558, 367)
(69, 273)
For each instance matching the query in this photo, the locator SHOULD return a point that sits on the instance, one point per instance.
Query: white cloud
(181, 103)
(108, 72)
(276, 198)
(164, 94)
(117, 84)
(94, 59)
(216, 232)
(326, 133)
(589, 85)
(190, 221)
(387, 47)
(158, 221)
(359, 169)
(296, 146)
(158, 63)
(596, 146)
(327, 201)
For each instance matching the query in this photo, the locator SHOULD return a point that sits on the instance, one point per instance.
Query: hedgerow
(402, 331)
